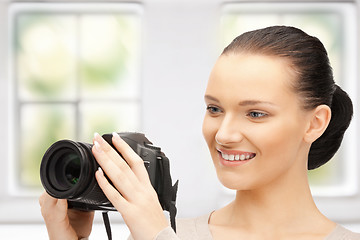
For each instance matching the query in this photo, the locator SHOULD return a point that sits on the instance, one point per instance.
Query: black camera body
(68, 169)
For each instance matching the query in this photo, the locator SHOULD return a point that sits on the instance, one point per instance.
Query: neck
(278, 202)
(286, 204)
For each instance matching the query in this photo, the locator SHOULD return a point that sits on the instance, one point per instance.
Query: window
(75, 70)
(333, 24)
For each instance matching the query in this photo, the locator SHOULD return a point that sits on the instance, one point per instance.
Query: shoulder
(341, 233)
(194, 228)
(187, 229)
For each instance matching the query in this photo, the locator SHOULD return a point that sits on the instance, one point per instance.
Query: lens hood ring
(52, 159)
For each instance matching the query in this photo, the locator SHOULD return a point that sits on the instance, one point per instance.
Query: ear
(318, 122)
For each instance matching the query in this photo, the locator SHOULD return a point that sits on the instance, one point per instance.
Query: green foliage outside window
(76, 74)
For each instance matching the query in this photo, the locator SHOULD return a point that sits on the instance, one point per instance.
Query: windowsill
(29, 231)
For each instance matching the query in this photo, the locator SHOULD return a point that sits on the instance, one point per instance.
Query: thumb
(62, 204)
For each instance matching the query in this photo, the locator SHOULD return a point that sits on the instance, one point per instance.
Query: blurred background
(69, 69)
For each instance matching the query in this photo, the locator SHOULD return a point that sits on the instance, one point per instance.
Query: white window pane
(109, 47)
(40, 126)
(45, 56)
(332, 173)
(235, 24)
(328, 28)
(108, 117)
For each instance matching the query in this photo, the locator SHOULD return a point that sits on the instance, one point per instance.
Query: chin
(232, 182)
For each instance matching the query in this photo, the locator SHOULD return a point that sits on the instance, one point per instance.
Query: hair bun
(325, 147)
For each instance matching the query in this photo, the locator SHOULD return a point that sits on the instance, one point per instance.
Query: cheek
(209, 129)
(279, 143)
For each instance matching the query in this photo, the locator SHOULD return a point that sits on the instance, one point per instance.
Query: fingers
(133, 163)
(132, 158)
(115, 167)
(54, 212)
(126, 151)
(46, 198)
(52, 209)
(132, 193)
(105, 147)
(111, 193)
(47, 201)
(42, 198)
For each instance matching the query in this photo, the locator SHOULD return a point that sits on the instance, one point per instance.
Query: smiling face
(254, 125)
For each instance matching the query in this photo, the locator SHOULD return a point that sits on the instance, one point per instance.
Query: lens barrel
(67, 170)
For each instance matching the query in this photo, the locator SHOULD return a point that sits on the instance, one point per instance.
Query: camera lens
(72, 168)
(67, 169)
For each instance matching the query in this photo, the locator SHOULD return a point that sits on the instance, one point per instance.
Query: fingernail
(100, 171)
(97, 146)
(115, 135)
(96, 135)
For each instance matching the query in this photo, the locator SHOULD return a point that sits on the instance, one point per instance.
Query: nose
(229, 131)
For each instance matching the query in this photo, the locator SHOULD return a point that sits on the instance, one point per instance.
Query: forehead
(251, 76)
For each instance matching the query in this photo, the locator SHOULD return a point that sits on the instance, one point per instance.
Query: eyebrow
(254, 102)
(243, 103)
(211, 98)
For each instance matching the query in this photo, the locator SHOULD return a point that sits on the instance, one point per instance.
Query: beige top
(198, 229)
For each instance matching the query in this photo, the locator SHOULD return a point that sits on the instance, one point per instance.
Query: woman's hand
(132, 194)
(63, 223)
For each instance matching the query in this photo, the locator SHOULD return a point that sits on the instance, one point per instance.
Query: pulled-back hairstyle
(314, 82)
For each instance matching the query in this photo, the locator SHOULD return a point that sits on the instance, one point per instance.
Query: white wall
(180, 48)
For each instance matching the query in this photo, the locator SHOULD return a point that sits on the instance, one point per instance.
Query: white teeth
(237, 157)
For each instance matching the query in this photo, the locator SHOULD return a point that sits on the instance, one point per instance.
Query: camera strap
(168, 195)
(107, 224)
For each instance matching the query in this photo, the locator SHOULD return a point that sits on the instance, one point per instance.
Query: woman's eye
(257, 114)
(213, 109)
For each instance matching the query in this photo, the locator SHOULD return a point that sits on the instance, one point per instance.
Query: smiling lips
(240, 156)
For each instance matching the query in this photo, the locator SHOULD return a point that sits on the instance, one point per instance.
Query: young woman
(273, 112)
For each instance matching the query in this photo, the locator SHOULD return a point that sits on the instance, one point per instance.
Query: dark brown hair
(314, 83)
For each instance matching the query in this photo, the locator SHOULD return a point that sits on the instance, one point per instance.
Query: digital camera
(68, 169)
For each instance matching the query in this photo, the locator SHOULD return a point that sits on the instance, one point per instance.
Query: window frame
(17, 206)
